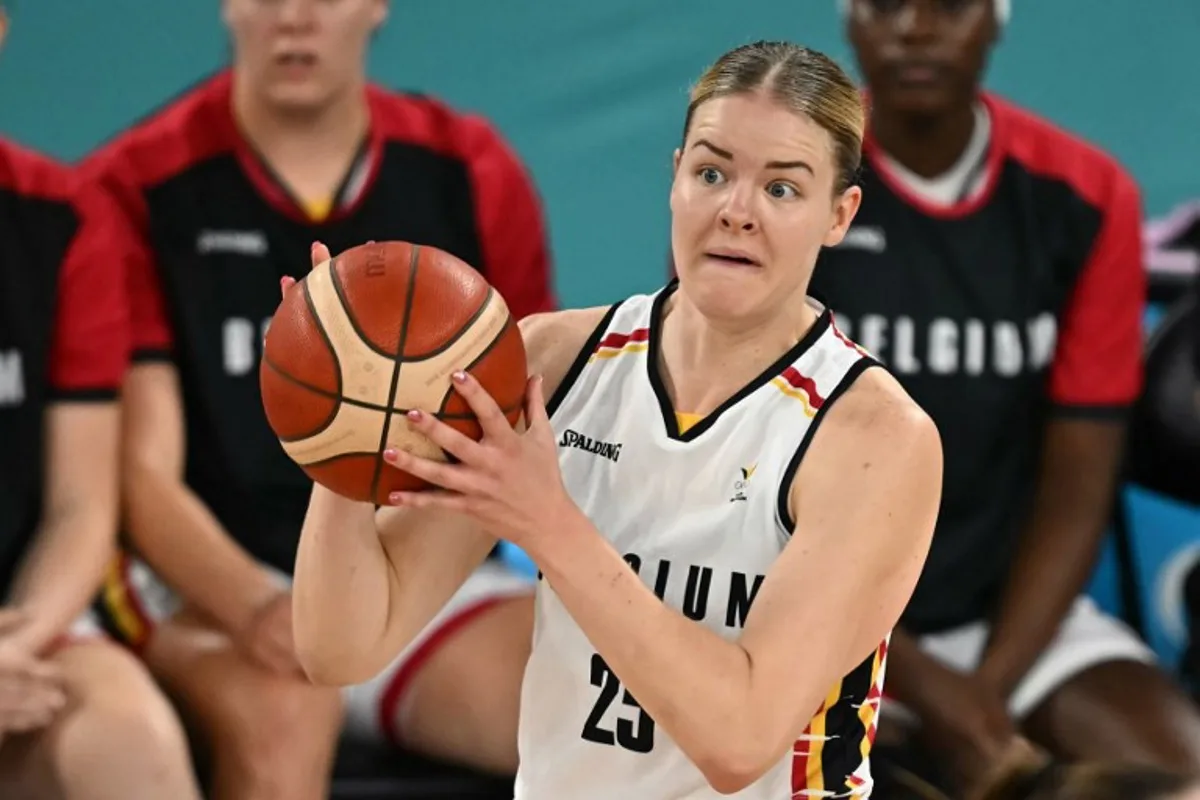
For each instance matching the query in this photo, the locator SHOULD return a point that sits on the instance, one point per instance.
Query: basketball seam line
(340, 291)
(337, 364)
(470, 367)
(446, 345)
(364, 404)
(414, 263)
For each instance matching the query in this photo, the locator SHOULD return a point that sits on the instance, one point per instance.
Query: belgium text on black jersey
(1023, 300)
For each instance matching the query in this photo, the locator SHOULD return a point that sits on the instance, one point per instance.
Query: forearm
(62, 572)
(186, 546)
(1057, 551)
(340, 595)
(912, 675)
(1055, 557)
(694, 684)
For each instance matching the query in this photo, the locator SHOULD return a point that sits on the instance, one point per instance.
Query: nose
(917, 20)
(297, 15)
(738, 213)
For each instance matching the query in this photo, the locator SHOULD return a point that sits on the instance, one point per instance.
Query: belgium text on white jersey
(700, 514)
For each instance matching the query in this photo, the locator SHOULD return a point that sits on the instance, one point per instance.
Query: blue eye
(782, 191)
(710, 176)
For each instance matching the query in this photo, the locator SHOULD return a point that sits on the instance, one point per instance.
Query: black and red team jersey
(215, 231)
(1022, 302)
(64, 325)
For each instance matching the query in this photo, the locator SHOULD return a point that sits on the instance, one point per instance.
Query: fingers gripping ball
(365, 337)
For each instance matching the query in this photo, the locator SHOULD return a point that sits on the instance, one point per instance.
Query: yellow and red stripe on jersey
(614, 344)
(827, 759)
(800, 387)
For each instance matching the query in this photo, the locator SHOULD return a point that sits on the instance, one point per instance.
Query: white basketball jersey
(700, 514)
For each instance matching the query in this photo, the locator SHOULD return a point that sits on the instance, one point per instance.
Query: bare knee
(1121, 711)
(269, 725)
(119, 737)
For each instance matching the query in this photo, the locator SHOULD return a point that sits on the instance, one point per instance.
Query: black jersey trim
(150, 355)
(581, 360)
(665, 406)
(789, 473)
(93, 395)
(1109, 413)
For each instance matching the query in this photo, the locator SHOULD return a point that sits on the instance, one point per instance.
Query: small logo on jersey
(742, 483)
(244, 243)
(865, 237)
(575, 439)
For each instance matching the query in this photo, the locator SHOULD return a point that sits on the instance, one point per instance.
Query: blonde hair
(806, 81)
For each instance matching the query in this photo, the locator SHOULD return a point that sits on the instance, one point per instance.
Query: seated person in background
(995, 266)
(79, 717)
(227, 188)
(1049, 781)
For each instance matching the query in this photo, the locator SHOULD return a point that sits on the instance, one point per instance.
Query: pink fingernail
(414, 415)
(390, 454)
(459, 377)
(394, 498)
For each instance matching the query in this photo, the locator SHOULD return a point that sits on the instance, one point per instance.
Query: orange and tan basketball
(370, 334)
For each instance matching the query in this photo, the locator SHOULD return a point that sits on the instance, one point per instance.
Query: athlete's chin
(306, 97)
(730, 295)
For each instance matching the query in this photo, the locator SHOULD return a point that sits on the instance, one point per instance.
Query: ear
(675, 160)
(379, 14)
(3, 25)
(844, 209)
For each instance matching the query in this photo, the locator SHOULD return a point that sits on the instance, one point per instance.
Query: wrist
(32, 636)
(253, 602)
(559, 537)
(994, 674)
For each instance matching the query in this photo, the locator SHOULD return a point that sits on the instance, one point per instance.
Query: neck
(334, 128)
(926, 145)
(709, 360)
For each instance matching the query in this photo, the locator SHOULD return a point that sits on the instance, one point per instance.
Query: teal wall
(593, 97)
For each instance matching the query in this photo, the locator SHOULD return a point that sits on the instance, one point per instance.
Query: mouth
(733, 257)
(296, 59)
(918, 72)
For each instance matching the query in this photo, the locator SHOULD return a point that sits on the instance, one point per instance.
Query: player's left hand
(509, 480)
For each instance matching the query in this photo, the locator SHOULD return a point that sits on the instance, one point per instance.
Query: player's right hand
(32, 690)
(267, 638)
(968, 723)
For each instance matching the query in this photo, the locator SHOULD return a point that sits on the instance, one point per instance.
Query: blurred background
(591, 96)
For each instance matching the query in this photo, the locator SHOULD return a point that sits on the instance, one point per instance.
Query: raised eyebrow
(723, 153)
(804, 165)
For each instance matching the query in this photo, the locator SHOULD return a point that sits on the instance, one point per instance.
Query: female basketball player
(716, 595)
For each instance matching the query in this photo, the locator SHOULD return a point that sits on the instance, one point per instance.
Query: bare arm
(168, 524)
(865, 502)
(366, 583)
(75, 540)
(1081, 459)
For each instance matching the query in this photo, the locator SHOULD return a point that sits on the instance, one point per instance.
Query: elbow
(734, 769)
(327, 659)
(734, 763)
(323, 667)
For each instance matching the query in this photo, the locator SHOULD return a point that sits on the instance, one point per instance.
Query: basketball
(370, 334)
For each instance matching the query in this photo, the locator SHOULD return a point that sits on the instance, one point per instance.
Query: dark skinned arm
(1057, 550)
(1095, 376)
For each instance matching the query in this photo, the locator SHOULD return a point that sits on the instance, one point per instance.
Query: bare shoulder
(875, 438)
(877, 408)
(554, 339)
